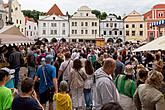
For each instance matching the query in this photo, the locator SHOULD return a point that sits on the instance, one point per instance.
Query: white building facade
(53, 26)
(31, 29)
(3, 14)
(112, 29)
(83, 25)
(17, 16)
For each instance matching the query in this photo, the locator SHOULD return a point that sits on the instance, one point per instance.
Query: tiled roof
(159, 6)
(29, 19)
(5, 5)
(147, 14)
(55, 10)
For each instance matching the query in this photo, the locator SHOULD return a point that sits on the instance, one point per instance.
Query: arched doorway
(119, 40)
(53, 40)
(63, 40)
(110, 40)
(45, 40)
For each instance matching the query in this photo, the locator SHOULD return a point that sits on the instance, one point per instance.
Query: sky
(119, 7)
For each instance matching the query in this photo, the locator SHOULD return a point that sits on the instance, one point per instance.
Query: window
(111, 25)
(110, 19)
(17, 21)
(34, 27)
(0, 16)
(141, 33)
(81, 14)
(55, 32)
(110, 32)
(86, 31)
(127, 33)
(31, 33)
(160, 15)
(95, 31)
(20, 22)
(75, 31)
(63, 24)
(75, 23)
(22, 29)
(44, 24)
(53, 24)
(86, 23)
(82, 24)
(93, 23)
(115, 32)
(86, 14)
(63, 32)
(141, 25)
(127, 26)
(72, 23)
(51, 32)
(54, 18)
(92, 31)
(107, 25)
(72, 31)
(27, 33)
(16, 9)
(29, 27)
(133, 25)
(104, 32)
(133, 33)
(115, 25)
(82, 31)
(121, 33)
(43, 32)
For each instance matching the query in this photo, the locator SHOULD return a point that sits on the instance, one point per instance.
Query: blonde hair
(155, 79)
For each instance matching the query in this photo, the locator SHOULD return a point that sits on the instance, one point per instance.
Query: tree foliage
(99, 14)
(32, 14)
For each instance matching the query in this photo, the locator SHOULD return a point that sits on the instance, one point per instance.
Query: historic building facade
(53, 25)
(17, 16)
(3, 14)
(112, 29)
(84, 26)
(31, 28)
(135, 28)
(157, 13)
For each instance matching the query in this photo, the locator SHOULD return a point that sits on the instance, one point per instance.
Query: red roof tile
(55, 10)
(147, 14)
(159, 6)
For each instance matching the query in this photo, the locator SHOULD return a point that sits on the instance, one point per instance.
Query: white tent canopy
(157, 44)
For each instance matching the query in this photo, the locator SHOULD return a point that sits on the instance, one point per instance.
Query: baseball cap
(10, 71)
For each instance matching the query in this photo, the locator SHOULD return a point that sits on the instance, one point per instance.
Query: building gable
(53, 17)
(55, 10)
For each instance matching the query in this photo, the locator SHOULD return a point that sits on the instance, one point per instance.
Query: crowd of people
(81, 76)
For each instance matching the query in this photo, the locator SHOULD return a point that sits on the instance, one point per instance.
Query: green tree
(97, 13)
(32, 14)
(103, 15)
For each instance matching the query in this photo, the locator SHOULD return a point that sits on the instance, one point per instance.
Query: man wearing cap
(48, 82)
(5, 93)
(126, 86)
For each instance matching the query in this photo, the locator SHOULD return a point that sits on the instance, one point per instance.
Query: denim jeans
(31, 72)
(88, 97)
(16, 77)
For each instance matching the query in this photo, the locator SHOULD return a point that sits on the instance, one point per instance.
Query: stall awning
(158, 23)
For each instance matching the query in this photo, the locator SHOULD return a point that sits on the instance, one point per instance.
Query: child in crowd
(62, 99)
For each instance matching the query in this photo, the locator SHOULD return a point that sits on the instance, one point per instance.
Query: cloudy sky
(119, 7)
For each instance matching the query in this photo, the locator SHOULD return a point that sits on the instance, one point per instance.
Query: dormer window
(54, 18)
(86, 14)
(110, 19)
(160, 15)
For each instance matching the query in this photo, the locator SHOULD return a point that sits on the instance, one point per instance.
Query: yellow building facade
(135, 28)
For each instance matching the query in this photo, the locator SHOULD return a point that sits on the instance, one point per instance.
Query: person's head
(27, 85)
(157, 56)
(154, 79)
(5, 73)
(67, 55)
(119, 58)
(88, 67)
(63, 86)
(112, 106)
(129, 70)
(77, 65)
(143, 73)
(109, 66)
(100, 56)
(49, 59)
